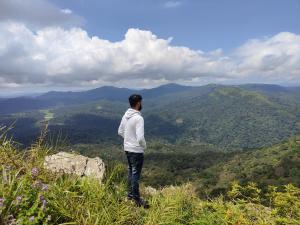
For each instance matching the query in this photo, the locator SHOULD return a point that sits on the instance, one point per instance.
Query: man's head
(135, 101)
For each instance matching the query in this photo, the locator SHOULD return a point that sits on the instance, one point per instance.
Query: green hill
(231, 117)
(276, 165)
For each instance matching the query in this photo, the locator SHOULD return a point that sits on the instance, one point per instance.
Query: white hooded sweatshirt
(132, 130)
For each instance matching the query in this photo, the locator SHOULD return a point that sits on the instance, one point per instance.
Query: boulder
(70, 163)
(150, 191)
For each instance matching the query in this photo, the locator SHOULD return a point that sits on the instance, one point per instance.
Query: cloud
(37, 14)
(172, 4)
(54, 56)
(275, 58)
(67, 11)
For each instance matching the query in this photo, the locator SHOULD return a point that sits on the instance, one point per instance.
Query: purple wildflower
(19, 198)
(44, 202)
(42, 198)
(34, 172)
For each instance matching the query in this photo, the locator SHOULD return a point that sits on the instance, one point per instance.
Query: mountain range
(229, 116)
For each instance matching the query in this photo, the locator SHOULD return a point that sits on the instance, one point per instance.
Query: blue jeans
(135, 164)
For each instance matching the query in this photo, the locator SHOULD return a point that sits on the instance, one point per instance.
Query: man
(132, 130)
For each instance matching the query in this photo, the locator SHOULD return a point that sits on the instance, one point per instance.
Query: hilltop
(32, 195)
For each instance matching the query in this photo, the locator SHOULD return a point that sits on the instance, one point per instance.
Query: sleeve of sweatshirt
(121, 129)
(140, 132)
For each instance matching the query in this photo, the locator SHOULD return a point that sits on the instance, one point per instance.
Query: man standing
(132, 130)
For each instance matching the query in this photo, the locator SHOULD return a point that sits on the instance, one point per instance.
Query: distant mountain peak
(173, 85)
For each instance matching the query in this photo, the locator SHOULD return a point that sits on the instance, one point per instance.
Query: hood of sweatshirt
(131, 112)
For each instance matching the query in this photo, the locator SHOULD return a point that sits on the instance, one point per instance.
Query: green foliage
(209, 168)
(276, 165)
(287, 203)
(284, 206)
(232, 117)
(248, 193)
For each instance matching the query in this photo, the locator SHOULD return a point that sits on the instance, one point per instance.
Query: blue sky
(83, 44)
(198, 24)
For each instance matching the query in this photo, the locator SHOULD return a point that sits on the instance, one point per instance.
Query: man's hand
(121, 129)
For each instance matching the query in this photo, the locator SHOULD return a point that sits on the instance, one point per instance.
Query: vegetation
(231, 156)
(29, 194)
(275, 165)
(208, 168)
(232, 117)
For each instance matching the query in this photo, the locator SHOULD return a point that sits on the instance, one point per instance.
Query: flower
(42, 198)
(19, 199)
(44, 202)
(34, 172)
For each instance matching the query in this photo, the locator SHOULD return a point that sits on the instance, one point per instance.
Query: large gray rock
(69, 163)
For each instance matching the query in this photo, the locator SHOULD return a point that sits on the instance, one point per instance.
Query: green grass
(29, 194)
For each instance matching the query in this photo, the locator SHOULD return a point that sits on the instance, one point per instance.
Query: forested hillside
(210, 169)
(230, 117)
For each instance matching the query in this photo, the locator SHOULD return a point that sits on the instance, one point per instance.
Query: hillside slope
(208, 168)
(231, 117)
(29, 194)
(276, 165)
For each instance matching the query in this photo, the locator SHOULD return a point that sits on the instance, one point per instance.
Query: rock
(150, 190)
(69, 163)
(95, 167)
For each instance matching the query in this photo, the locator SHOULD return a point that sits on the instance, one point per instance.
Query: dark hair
(134, 99)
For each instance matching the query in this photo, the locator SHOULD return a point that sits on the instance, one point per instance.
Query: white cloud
(67, 11)
(37, 13)
(172, 4)
(274, 58)
(56, 56)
